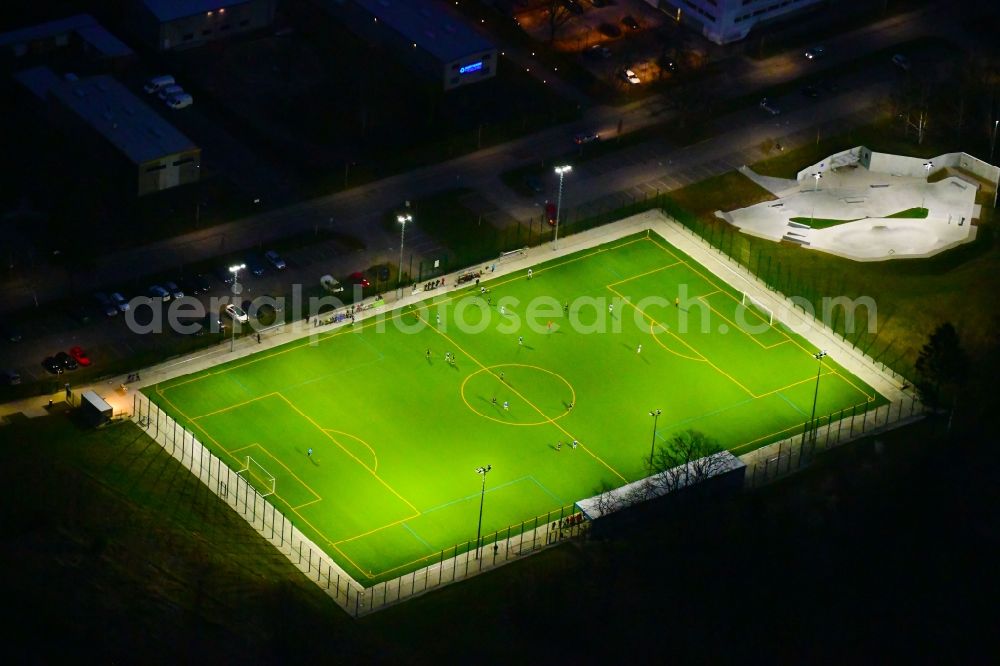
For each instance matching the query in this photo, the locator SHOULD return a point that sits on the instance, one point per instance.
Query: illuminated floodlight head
(565, 168)
(236, 268)
(484, 470)
(655, 412)
(820, 355)
(928, 165)
(403, 219)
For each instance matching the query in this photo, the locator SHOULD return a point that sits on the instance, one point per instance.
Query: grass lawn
(826, 223)
(913, 296)
(397, 434)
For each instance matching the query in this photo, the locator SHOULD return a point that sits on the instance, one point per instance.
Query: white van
(170, 91)
(157, 82)
(180, 101)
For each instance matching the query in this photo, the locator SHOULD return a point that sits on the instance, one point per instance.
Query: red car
(550, 213)
(359, 278)
(79, 355)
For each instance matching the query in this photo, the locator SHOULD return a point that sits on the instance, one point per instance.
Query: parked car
(201, 283)
(79, 355)
(255, 266)
(668, 65)
(534, 184)
(769, 107)
(585, 137)
(275, 260)
(180, 101)
(330, 284)
(106, 305)
(225, 275)
(358, 278)
(597, 52)
(119, 302)
(573, 6)
(11, 377)
(157, 292)
(551, 213)
(174, 289)
(79, 312)
(169, 91)
(811, 91)
(157, 82)
(609, 30)
(236, 313)
(66, 361)
(901, 61)
(815, 52)
(629, 22)
(630, 77)
(52, 366)
(10, 334)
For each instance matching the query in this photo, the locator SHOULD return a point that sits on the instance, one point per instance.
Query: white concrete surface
(863, 198)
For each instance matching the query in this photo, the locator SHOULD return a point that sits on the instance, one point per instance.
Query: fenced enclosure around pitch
(499, 546)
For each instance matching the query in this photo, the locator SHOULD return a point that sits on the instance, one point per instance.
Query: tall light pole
(655, 413)
(235, 270)
(816, 177)
(402, 219)
(928, 165)
(562, 171)
(819, 356)
(482, 496)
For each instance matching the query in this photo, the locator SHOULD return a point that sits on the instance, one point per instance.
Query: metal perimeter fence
(772, 462)
(451, 564)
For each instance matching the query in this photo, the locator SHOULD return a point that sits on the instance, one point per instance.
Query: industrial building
(118, 129)
(181, 24)
(81, 31)
(427, 35)
(724, 21)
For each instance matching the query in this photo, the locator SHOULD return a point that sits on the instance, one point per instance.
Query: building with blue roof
(139, 142)
(178, 24)
(426, 33)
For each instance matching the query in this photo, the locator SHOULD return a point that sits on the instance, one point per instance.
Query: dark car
(10, 334)
(597, 52)
(573, 6)
(629, 22)
(534, 184)
(609, 30)
(52, 366)
(811, 91)
(106, 306)
(585, 137)
(255, 266)
(201, 284)
(668, 65)
(225, 275)
(66, 361)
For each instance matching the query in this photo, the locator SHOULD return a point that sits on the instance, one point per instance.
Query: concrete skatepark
(863, 189)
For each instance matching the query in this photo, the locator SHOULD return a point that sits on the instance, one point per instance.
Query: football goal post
(258, 477)
(758, 308)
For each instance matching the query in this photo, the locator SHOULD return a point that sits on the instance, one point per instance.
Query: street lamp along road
(562, 171)
(482, 496)
(235, 270)
(402, 219)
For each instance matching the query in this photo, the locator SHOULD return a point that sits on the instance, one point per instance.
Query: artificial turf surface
(396, 435)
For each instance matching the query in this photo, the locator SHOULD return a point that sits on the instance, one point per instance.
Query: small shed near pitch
(94, 408)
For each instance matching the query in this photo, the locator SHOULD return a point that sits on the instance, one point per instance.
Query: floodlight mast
(482, 496)
(402, 219)
(819, 356)
(235, 270)
(928, 165)
(655, 413)
(561, 171)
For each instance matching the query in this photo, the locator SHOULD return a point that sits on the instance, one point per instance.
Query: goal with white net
(258, 477)
(758, 308)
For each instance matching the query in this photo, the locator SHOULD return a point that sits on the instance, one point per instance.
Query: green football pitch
(397, 430)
